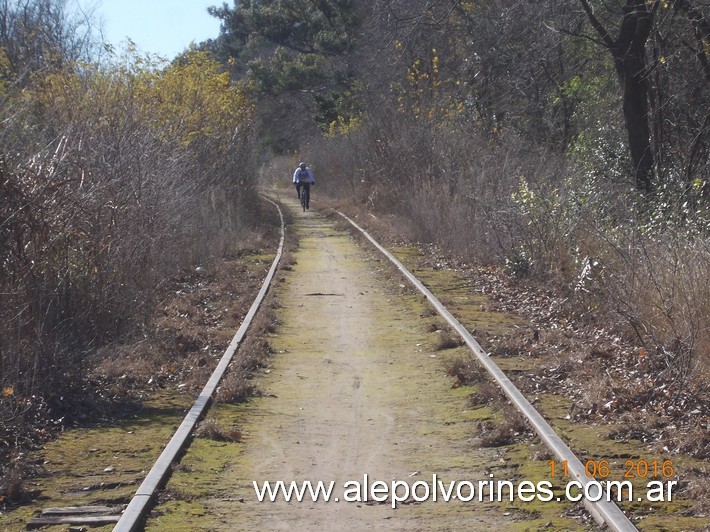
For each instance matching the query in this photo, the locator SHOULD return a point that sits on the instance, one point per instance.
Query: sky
(162, 27)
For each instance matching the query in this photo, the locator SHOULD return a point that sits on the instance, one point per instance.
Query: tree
(294, 55)
(628, 50)
(37, 34)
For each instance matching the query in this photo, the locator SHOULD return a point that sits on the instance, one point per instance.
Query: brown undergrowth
(201, 310)
(197, 314)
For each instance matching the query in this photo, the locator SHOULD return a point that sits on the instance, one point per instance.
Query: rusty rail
(604, 512)
(141, 499)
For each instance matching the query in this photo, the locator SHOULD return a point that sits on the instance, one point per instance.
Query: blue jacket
(298, 175)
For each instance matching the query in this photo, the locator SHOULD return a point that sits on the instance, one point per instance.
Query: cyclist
(303, 177)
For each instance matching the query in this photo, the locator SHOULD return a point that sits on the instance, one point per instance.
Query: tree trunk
(629, 51)
(631, 72)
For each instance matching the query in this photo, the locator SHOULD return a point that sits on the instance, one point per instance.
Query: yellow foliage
(194, 99)
(342, 127)
(8, 391)
(189, 101)
(4, 70)
(426, 94)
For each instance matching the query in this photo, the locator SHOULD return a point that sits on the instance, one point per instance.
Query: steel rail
(603, 511)
(139, 504)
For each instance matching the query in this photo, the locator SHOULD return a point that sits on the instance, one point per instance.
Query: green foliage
(284, 73)
(679, 208)
(519, 265)
(280, 41)
(305, 26)
(337, 112)
(293, 50)
(600, 150)
(646, 261)
(4, 71)
(550, 220)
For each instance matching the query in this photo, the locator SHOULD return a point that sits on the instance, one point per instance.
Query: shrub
(111, 180)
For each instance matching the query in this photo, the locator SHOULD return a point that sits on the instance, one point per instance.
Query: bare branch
(601, 30)
(580, 35)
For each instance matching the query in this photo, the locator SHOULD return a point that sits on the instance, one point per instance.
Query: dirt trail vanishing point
(355, 389)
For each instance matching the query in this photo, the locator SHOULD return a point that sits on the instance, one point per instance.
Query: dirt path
(356, 389)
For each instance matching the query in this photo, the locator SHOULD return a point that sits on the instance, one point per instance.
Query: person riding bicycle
(303, 177)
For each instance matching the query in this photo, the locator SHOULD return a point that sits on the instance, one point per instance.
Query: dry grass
(237, 387)
(211, 429)
(695, 487)
(176, 347)
(662, 291)
(510, 429)
(239, 384)
(485, 393)
(448, 340)
(464, 369)
(12, 487)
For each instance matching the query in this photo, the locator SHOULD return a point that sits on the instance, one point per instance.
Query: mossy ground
(102, 465)
(589, 442)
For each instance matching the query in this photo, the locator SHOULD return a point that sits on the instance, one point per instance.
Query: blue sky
(163, 27)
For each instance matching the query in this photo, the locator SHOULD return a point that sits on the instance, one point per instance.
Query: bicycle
(305, 196)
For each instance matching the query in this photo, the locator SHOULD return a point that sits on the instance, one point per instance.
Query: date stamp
(631, 469)
(613, 480)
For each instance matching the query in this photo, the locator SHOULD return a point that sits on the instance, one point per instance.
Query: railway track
(140, 502)
(602, 511)
(132, 518)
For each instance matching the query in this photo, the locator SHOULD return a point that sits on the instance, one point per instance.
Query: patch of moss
(183, 515)
(102, 465)
(455, 292)
(591, 443)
